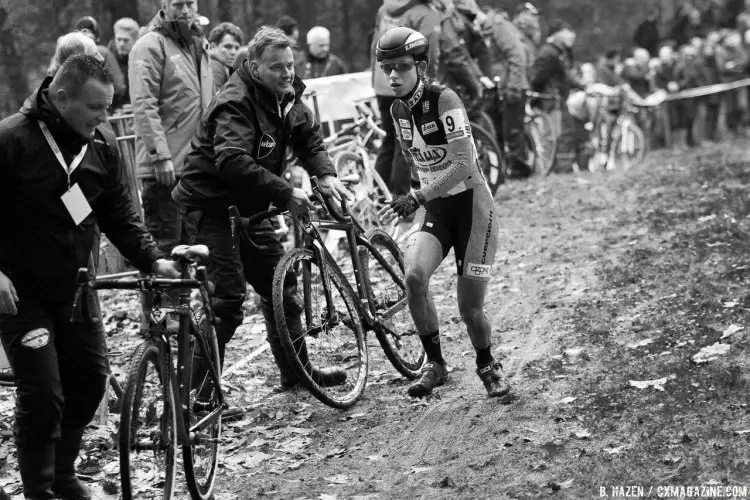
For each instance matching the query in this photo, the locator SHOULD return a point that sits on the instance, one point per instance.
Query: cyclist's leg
(224, 269)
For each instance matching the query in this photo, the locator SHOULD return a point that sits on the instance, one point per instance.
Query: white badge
(76, 203)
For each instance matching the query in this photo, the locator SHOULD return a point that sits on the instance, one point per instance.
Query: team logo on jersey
(266, 147)
(429, 156)
(429, 128)
(404, 123)
(406, 134)
(426, 107)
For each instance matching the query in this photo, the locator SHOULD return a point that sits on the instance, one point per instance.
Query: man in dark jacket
(647, 33)
(318, 60)
(237, 158)
(60, 176)
(126, 33)
(225, 41)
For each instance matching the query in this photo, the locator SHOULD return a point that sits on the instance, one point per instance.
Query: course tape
(708, 90)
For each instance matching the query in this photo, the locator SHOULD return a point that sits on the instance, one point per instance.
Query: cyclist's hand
(8, 296)
(164, 172)
(402, 207)
(166, 269)
(299, 203)
(332, 186)
(487, 82)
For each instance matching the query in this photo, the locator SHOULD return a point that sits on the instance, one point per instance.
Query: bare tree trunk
(13, 64)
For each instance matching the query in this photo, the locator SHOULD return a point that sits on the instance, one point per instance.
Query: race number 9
(455, 124)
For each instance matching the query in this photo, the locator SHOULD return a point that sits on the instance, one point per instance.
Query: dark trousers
(508, 119)
(229, 268)
(391, 164)
(60, 368)
(161, 215)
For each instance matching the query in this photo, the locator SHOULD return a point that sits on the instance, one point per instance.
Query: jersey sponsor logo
(435, 168)
(404, 123)
(488, 235)
(429, 156)
(429, 128)
(478, 270)
(426, 107)
(417, 43)
(406, 134)
(36, 339)
(266, 147)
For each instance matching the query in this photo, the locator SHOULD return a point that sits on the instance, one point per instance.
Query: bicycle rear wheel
(329, 338)
(491, 158)
(203, 412)
(386, 293)
(148, 422)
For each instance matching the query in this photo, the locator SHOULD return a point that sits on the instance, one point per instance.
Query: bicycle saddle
(192, 253)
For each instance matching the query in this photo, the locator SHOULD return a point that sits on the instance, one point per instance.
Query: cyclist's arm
(414, 177)
(460, 147)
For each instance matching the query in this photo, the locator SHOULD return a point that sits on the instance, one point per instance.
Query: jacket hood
(396, 8)
(38, 107)
(179, 31)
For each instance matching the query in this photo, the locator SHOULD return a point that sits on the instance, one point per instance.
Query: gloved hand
(404, 206)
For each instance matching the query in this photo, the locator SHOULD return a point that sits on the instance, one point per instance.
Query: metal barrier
(122, 124)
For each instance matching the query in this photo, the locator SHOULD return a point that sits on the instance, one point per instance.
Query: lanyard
(58, 154)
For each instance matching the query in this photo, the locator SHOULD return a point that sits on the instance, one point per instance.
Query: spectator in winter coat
(636, 72)
(527, 23)
(126, 33)
(688, 25)
(419, 16)
(606, 70)
(89, 27)
(714, 56)
(647, 34)
(735, 68)
(318, 60)
(224, 45)
(169, 91)
(667, 78)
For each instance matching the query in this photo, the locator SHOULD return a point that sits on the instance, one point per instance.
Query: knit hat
(558, 25)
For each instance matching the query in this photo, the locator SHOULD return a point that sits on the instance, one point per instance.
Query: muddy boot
(287, 376)
(493, 379)
(37, 466)
(66, 484)
(433, 375)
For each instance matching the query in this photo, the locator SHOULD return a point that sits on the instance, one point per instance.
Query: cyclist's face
(402, 74)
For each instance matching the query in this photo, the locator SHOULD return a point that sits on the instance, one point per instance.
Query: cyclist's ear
(421, 68)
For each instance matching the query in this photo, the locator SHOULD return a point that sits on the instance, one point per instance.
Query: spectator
(527, 23)
(89, 27)
(290, 27)
(647, 34)
(636, 72)
(688, 25)
(714, 56)
(225, 41)
(606, 70)
(667, 78)
(71, 44)
(60, 365)
(238, 159)
(735, 68)
(318, 61)
(420, 17)
(690, 74)
(126, 33)
(169, 91)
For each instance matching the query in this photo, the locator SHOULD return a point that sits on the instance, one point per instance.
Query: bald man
(317, 61)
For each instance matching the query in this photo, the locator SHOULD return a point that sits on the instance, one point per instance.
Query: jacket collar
(179, 31)
(38, 107)
(415, 95)
(263, 96)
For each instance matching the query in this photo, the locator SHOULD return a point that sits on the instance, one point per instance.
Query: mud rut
(459, 443)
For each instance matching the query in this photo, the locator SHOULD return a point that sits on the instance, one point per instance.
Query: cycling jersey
(435, 135)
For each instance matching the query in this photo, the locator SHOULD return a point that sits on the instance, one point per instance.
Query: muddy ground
(611, 292)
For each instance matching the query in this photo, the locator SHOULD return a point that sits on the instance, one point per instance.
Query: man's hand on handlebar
(299, 203)
(166, 269)
(8, 296)
(332, 186)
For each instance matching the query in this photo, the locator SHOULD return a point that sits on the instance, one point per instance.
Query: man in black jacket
(60, 176)
(237, 158)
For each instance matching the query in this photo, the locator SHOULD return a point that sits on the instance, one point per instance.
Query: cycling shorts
(468, 224)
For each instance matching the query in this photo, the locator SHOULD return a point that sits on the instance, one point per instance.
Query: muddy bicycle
(170, 399)
(335, 319)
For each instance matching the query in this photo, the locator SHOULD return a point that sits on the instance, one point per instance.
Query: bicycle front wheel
(327, 346)
(629, 148)
(148, 422)
(386, 294)
(204, 407)
(491, 159)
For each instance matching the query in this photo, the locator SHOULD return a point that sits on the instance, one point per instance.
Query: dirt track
(601, 279)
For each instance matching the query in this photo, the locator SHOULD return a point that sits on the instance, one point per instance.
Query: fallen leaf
(729, 305)
(616, 450)
(640, 343)
(711, 352)
(566, 484)
(338, 479)
(565, 401)
(418, 470)
(583, 434)
(657, 384)
(707, 218)
(740, 433)
(731, 330)
(326, 496)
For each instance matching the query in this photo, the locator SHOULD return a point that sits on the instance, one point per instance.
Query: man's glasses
(399, 67)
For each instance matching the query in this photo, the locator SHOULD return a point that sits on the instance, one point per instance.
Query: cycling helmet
(401, 42)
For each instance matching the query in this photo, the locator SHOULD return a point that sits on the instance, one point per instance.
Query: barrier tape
(708, 90)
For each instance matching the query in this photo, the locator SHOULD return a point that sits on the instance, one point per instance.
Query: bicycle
(160, 386)
(335, 319)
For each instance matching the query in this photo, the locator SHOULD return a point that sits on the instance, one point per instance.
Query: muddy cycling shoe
(433, 374)
(328, 377)
(494, 380)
